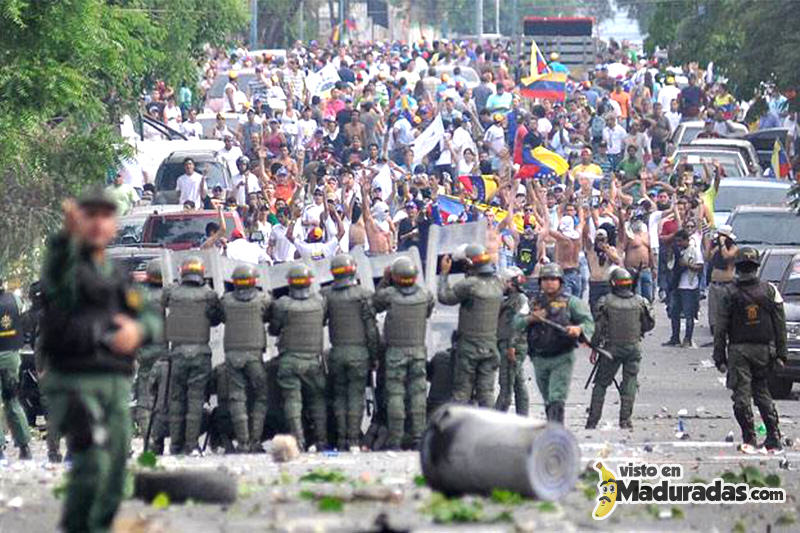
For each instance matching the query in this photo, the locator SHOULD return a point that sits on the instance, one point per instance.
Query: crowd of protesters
(317, 172)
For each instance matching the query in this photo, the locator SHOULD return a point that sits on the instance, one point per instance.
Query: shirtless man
(634, 241)
(379, 227)
(568, 248)
(602, 259)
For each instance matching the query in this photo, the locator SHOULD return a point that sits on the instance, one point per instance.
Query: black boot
(744, 416)
(25, 453)
(625, 412)
(770, 416)
(595, 408)
(53, 456)
(555, 412)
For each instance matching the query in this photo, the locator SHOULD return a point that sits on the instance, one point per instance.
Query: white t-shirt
(246, 251)
(282, 248)
(192, 129)
(317, 250)
(690, 279)
(666, 95)
(544, 127)
(251, 184)
(189, 189)
(615, 139)
(230, 157)
(496, 139)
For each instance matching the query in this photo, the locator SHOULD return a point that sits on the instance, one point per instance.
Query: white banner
(428, 139)
(321, 82)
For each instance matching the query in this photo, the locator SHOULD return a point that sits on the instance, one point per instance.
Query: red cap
(236, 234)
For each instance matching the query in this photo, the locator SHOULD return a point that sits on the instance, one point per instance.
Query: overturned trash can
(472, 450)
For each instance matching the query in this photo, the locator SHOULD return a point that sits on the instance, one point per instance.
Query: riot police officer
(246, 311)
(193, 309)
(408, 307)
(480, 296)
(11, 340)
(749, 340)
(352, 328)
(553, 351)
(622, 319)
(298, 320)
(149, 353)
(512, 344)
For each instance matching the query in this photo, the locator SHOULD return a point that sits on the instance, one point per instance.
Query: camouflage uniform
(407, 307)
(298, 321)
(622, 319)
(246, 312)
(511, 376)
(148, 356)
(749, 339)
(193, 310)
(11, 340)
(477, 359)
(352, 327)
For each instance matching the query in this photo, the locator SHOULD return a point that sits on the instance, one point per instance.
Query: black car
(782, 379)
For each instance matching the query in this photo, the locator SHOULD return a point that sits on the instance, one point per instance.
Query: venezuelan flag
(541, 163)
(538, 62)
(780, 161)
(449, 206)
(480, 188)
(548, 86)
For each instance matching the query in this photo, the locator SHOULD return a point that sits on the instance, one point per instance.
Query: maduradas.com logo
(628, 488)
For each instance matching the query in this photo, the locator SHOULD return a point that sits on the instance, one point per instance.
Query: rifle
(160, 396)
(584, 340)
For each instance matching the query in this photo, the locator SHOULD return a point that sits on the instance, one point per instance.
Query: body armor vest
(406, 319)
(187, 322)
(244, 323)
(751, 320)
(346, 321)
(11, 337)
(544, 340)
(303, 329)
(624, 319)
(478, 316)
(508, 310)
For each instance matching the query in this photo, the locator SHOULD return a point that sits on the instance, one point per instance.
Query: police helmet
(747, 255)
(299, 277)
(243, 160)
(480, 261)
(153, 273)
(512, 274)
(404, 272)
(343, 269)
(621, 280)
(244, 277)
(193, 270)
(551, 271)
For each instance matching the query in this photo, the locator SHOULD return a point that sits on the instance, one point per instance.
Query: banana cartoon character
(606, 492)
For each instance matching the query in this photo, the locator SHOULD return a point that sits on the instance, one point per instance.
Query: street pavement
(382, 492)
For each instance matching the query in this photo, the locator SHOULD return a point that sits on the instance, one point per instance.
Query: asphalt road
(271, 497)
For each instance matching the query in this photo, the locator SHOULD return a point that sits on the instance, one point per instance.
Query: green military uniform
(11, 340)
(553, 353)
(246, 311)
(148, 354)
(221, 424)
(352, 328)
(298, 321)
(407, 307)
(511, 376)
(622, 318)
(480, 296)
(193, 309)
(87, 385)
(749, 339)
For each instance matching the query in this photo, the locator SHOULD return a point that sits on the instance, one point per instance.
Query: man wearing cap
(93, 323)
(245, 182)
(568, 248)
(240, 249)
(586, 169)
(720, 253)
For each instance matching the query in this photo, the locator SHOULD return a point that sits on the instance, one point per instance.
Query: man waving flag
(543, 82)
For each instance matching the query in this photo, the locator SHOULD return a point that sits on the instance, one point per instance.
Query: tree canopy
(66, 70)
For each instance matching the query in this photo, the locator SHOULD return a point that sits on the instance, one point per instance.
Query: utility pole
(301, 31)
(515, 32)
(341, 21)
(478, 18)
(497, 17)
(253, 24)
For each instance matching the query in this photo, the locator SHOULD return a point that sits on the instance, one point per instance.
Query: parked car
(774, 262)
(186, 229)
(747, 191)
(205, 161)
(687, 131)
(741, 146)
(782, 378)
(134, 259)
(765, 227)
(732, 162)
(764, 143)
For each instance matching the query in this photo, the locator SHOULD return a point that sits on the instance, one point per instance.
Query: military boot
(257, 419)
(53, 456)
(157, 447)
(772, 444)
(744, 416)
(25, 453)
(242, 432)
(296, 429)
(555, 412)
(625, 412)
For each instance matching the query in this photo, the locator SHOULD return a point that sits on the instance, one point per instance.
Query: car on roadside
(186, 229)
(133, 259)
(764, 143)
(732, 162)
(741, 146)
(688, 131)
(734, 192)
(781, 379)
(765, 227)
(774, 262)
(205, 162)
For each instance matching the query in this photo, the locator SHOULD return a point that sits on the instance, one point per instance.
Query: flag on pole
(543, 82)
(480, 188)
(428, 139)
(541, 163)
(781, 167)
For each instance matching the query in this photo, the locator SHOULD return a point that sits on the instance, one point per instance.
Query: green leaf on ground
(147, 460)
(697, 479)
(589, 491)
(505, 516)
(547, 507)
(455, 510)
(506, 497)
(60, 489)
(677, 513)
(321, 475)
(652, 510)
(739, 527)
(306, 495)
(730, 477)
(161, 501)
(772, 480)
(330, 504)
(786, 519)
(419, 481)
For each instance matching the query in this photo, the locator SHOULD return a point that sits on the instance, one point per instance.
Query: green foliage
(546, 507)
(68, 71)
(786, 519)
(506, 497)
(752, 476)
(419, 481)
(321, 475)
(455, 510)
(330, 504)
(161, 501)
(147, 460)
